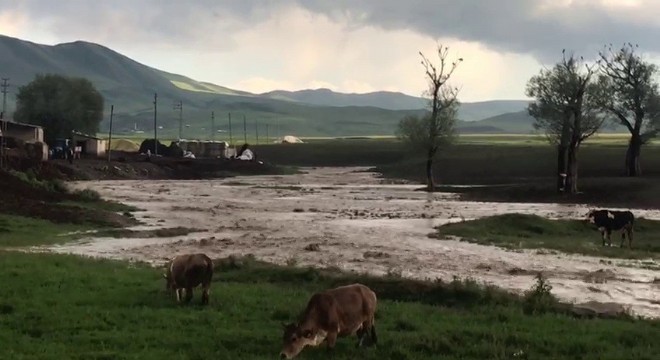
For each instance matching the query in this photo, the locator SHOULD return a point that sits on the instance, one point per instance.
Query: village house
(32, 136)
(88, 145)
(25, 132)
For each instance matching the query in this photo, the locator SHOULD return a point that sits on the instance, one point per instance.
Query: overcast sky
(344, 45)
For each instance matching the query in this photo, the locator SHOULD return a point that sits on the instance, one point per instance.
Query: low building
(25, 132)
(24, 139)
(89, 145)
(206, 149)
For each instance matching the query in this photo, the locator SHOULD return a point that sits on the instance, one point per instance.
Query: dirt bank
(351, 219)
(133, 166)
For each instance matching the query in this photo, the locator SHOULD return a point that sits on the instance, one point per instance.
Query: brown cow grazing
(329, 314)
(187, 272)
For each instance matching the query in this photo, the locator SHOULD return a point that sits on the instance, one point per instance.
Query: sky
(344, 45)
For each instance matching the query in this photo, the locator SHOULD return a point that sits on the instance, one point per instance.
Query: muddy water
(351, 219)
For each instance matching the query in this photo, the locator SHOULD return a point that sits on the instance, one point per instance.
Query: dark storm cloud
(519, 26)
(168, 22)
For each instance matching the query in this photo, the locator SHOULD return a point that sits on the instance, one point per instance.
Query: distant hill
(519, 122)
(130, 86)
(469, 111)
(510, 123)
(327, 97)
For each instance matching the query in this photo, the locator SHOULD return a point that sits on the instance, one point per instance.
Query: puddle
(350, 213)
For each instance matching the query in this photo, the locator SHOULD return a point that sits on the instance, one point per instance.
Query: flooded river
(351, 219)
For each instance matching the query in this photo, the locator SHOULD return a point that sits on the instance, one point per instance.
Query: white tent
(290, 139)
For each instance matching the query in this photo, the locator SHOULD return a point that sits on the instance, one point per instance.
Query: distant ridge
(130, 85)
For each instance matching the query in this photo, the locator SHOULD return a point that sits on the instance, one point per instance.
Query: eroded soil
(351, 219)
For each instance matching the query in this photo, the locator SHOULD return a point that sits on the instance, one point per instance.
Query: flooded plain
(351, 219)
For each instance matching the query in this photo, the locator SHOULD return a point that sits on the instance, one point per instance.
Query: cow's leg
(178, 295)
(205, 294)
(189, 294)
(623, 237)
(630, 236)
(374, 337)
(361, 334)
(331, 338)
(370, 331)
(602, 235)
(609, 237)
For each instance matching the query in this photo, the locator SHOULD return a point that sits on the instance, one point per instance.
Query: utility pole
(256, 130)
(212, 126)
(112, 109)
(278, 134)
(5, 86)
(244, 130)
(3, 117)
(155, 123)
(231, 140)
(179, 106)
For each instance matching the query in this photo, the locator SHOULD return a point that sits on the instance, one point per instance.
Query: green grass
(519, 231)
(70, 307)
(24, 231)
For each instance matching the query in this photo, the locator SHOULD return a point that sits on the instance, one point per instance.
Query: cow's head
(591, 216)
(295, 339)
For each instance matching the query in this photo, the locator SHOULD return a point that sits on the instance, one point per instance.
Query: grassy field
(70, 307)
(522, 167)
(24, 231)
(519, 231)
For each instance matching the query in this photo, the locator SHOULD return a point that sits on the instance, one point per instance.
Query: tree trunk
(633, 167)
(561, 168)
(572, 173)
(430, 184)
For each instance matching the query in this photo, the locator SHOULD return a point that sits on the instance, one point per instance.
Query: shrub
(88, 195)
(539, 299)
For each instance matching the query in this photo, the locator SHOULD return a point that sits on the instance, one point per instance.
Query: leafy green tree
(631, 95)
(436, 129)
(566, 109)
(61, 105)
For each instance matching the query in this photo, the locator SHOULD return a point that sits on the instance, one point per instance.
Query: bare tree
(436, 128)
(630, 93)
(566, 110)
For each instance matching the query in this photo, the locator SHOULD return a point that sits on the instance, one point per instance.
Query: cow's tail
(374, 337)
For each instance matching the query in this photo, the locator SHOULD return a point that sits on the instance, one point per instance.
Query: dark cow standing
(609, 220)
(187, 272)
(329, 314)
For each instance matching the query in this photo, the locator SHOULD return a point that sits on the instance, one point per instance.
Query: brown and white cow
(187, 272)
(329, 314)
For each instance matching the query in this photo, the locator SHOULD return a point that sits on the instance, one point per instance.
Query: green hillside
(130, 87)
(519, 122)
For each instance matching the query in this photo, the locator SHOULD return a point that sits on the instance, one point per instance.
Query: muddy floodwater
(352, 219)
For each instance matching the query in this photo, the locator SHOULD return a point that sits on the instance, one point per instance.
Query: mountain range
(130, 87)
